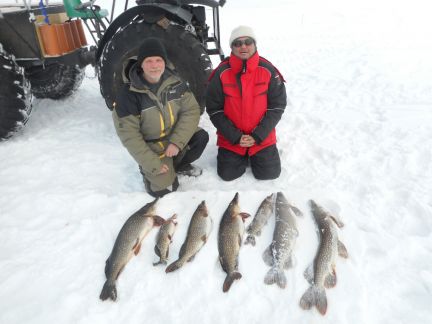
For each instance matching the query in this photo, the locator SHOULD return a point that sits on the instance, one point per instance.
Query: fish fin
(268, 256)
(239, 240)
(191, 258)
(120, 271)
(170, 238)
(222, 263)
(307, 300)
(174, 266)
(337, 221)
(137, 248)
(314, 296)
(309, 274)
(107, 264)
(230, 279)
(157, 251)
(330, 280)
(250, 239)
(204, 238)
(297, 211)
(182, 250)
(289, 262)
(275, 275)
(244, 215)
(109, 291)
(163, 262)
(157, 220)
(342, 250)
(321, 301)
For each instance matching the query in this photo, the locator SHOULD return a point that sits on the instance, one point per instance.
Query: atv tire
(55, 81)
(184, 51)
(15, 96)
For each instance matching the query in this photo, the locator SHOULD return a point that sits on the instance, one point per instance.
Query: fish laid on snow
(128, 244)
(262, 215)
(230, 238)
(198, 232)
(323, 274)
(279, 254)
(164, 239)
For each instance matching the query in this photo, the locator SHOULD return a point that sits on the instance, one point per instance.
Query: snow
(356, 138)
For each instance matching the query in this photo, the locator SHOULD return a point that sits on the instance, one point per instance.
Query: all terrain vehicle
(44, 50)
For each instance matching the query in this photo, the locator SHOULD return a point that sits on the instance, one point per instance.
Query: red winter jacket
(245, 97)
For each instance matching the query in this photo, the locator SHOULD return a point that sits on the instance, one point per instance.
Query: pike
(128, 244)
(261, 217)
(197, 235)
(164, 239)
(279, 254)
(230, 238)
(323, 274)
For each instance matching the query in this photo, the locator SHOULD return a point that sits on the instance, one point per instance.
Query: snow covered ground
(357, 138)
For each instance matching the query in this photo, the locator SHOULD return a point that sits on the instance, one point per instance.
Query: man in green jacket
(156, 117)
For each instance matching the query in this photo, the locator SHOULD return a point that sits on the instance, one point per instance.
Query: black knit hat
(151, 47)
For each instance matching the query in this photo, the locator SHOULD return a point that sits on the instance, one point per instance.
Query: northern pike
(128, 244)
(323, 274)
(230, 238)
(197, 235)
(164, 239)
(279, 254)
(261, 218)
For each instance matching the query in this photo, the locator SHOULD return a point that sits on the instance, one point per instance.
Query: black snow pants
(265, 164)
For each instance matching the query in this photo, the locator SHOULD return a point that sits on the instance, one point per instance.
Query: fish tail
(230, 279)
(174, 266)
(314, 296)
(250, 239)
(109, 291)
(275, 275)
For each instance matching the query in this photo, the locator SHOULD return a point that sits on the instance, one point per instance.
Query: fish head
(280, 199)
(235, 199)
(234, 207)
(202, 207)
(318, 212)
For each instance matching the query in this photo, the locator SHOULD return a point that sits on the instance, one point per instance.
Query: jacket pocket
(231, 89)
(260, 89)
(150, 123)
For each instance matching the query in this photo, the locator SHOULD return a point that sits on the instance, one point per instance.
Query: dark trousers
(265, 164)
(193, 150)
(190, 153)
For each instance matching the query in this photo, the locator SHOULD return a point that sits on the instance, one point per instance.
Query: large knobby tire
(15, 96)
(184, 50)
(55, 81)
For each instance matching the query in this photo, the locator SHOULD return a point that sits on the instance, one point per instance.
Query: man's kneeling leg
(266, 163)
(230, 165)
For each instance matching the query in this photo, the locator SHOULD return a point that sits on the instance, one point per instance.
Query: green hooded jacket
(148, 119)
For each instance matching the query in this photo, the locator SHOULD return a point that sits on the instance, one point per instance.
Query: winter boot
(189, 170)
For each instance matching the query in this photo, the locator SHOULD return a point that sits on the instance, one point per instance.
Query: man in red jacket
(246, 98)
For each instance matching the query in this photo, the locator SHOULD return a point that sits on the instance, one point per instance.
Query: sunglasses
(240, 43)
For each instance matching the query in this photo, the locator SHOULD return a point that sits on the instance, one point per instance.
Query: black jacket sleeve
(215, 100)
(276, 103)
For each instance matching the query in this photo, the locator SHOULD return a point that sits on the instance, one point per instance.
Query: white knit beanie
(242, 31)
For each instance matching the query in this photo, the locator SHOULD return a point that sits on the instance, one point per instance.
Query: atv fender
(155, 12)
